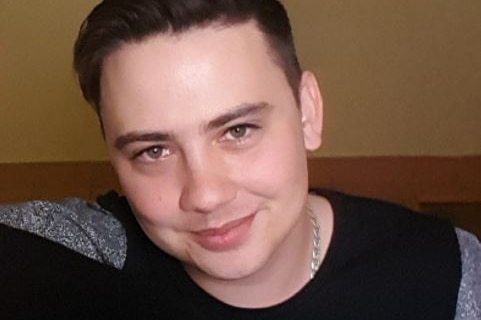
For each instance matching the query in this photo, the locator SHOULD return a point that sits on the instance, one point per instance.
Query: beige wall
(42, 114)
(398, 77)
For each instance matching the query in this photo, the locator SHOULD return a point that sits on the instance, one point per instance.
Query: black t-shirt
(384, 262)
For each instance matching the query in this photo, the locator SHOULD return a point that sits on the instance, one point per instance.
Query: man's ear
(310, 102)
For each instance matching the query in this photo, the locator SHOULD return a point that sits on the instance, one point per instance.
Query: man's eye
(239, 132)
(153, 153)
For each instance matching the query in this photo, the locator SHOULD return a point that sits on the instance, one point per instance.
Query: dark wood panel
(423, 183)
(28, 181)
(409, 180)
(448, 187)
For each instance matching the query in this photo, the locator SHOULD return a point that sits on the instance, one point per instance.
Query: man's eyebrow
(239, 111)
(131, 137)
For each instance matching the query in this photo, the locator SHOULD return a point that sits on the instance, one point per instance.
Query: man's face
(205, 135)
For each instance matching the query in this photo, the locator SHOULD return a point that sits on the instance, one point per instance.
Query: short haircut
(116, 22)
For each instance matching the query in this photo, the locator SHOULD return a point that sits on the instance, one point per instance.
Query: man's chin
(227, 270)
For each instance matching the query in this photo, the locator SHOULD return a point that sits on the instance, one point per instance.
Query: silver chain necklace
(316, 244)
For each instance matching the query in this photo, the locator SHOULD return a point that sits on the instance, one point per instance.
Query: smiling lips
(227, 237)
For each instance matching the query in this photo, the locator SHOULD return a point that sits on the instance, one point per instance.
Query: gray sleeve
(469, 296)
(74, 223)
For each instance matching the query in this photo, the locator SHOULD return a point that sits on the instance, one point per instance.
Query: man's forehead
(176, 54)
(187, 78)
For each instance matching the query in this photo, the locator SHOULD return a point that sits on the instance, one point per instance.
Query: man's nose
(207, 186)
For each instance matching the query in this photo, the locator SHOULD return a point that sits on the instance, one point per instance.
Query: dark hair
(115, 22)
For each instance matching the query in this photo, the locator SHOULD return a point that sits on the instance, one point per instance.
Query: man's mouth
(226, 237)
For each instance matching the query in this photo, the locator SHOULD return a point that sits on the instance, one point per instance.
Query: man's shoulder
(74, 223)
(384, 245)
(382, 216)
(367, 227)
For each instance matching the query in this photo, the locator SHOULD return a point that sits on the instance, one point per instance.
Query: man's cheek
(270, 171)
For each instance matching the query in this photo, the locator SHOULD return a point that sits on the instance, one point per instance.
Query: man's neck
(286, 272)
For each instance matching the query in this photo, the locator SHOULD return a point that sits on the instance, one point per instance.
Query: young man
(207, 118)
